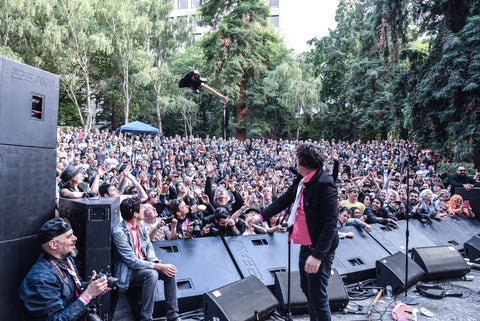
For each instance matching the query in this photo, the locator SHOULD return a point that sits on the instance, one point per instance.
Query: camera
(92, 314)
(111, 281)
(197, 227)
(168, 219)
(213, 229)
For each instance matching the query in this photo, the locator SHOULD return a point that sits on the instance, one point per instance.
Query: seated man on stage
(135, 263)
(52, 290)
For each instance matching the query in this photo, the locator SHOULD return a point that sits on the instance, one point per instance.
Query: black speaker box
(92, 222)
(337, 294)
(355, 258)
(441, 262)
(393, 240)
(28, 105)
(391, 271)
(245, 300)
(453, 232)
(203, 264)
(262, 255)
(472, 249)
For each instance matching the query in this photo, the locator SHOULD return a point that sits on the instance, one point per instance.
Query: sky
(302, 20)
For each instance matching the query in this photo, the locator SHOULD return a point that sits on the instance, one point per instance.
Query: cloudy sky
(302, 20)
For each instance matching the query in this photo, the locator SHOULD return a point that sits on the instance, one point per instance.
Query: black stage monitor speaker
(337, 294)
(355, 258)
(393, 240)
(444, 233)
(391, 271)
(472, 249)
(245, 300)
(441, 262)
(203, 265)
(262, 255)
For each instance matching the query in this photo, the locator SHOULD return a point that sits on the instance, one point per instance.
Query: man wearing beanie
(52, 289)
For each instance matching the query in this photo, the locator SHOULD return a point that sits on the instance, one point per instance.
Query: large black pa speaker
(337, 293)
(28, 124)
(355, 258)
(441, 262)
(203, 264)
(472, 249)
(393, 240)
(245, 300)
(391, 271)
(28, 105)
(262, 255)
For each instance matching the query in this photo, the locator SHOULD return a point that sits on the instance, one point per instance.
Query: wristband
(84, 299)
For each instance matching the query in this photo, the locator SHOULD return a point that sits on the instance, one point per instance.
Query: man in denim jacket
(135, 263)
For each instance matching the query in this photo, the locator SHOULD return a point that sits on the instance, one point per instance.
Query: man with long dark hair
(314, 225)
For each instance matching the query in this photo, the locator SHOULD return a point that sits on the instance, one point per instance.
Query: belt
(306, 247)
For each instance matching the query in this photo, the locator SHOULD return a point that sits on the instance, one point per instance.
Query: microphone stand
(288, 317)
(406, 299)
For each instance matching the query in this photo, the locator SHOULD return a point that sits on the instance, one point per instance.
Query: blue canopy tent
(137, 127)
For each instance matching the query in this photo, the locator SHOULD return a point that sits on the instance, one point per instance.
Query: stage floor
(463, 308)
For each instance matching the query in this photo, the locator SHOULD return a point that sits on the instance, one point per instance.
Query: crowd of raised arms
(192, 187)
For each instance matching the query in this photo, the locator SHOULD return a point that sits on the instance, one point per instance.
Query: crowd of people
(175, 187)
(193, 187)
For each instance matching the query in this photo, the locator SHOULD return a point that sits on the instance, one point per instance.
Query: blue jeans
(147, 280)
(314, 286)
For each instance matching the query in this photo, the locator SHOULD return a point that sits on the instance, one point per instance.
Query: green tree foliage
(445, 95)
(239, 49)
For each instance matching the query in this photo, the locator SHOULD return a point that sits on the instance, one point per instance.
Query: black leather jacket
(321, 211)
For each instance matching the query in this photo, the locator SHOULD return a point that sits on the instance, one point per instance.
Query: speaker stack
(28, 124)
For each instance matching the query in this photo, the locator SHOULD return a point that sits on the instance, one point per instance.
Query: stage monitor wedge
(245, 300)
(440, 262)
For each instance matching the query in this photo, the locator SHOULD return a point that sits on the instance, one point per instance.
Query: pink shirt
(300, 231)
(134, 233)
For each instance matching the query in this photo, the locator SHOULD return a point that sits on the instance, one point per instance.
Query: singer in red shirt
(313, 219)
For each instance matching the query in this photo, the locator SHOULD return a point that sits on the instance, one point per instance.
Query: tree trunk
(157, 107)
(71, 94)
(126, 91)
(242, 109)
(298, 121)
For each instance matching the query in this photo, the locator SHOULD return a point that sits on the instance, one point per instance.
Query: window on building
(274, 20)
(274, 3)
(197, 3)
(182, 4)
